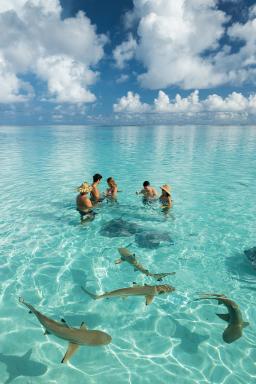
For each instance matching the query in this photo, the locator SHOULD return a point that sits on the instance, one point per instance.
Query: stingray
(22, 366)
(251, 255)
(153, 239)
(119, 228)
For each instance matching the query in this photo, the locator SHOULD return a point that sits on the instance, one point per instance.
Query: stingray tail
(92, 295)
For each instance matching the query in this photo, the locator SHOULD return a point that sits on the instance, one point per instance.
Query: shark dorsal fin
(224, 316)
(28, 354)
(70, 352)
(65, 323)
(83, 326)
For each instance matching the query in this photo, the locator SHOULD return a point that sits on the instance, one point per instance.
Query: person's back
(95, 193)
(148, 192)
(83, 203)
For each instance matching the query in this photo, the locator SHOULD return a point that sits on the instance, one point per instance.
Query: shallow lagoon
(46, 255)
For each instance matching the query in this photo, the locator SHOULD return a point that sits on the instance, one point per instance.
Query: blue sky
(129, 61)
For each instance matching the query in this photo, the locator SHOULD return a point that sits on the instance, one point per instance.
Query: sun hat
(84, 188)
(166, 188)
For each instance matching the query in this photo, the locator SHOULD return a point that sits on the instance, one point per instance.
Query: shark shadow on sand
(190, 341)
(22, 366)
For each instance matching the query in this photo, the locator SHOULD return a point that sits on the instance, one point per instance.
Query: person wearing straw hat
(165, 198)
(83, 203)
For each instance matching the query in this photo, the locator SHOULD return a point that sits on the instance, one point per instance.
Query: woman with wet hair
(111, 192)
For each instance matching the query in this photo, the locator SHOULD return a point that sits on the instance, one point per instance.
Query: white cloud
(67, 80)
(233, 103)
(61, 52)
(122, 79)
(178, 42)
(162, 103)
(190, 103)
(124, 52)
(12, 89)
(131, 104)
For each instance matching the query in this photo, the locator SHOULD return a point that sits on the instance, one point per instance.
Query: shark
(126, 255)
(233, 317)
(149, 291)
(74, 336)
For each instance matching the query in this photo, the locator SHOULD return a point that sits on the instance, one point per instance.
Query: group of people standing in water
(89, 195)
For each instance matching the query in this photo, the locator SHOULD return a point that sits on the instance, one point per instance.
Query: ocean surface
(47, 255)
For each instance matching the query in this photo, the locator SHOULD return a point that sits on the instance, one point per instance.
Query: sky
(127, 61)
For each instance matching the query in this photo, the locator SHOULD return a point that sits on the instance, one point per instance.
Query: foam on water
(46, 254)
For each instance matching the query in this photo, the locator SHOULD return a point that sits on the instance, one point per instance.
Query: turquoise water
(46, 254)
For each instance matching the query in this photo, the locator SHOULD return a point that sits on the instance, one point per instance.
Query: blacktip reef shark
(149, 291)
(74, 336)
(233, 317)
(126, 255)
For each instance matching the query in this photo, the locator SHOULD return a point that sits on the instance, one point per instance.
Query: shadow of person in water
(22, 366)
(190, 341)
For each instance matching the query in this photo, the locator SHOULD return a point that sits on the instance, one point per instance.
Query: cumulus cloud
(186, 104)
(178, 42)
(233, 103)
(12, 88)
(124, 52)
(60, 52)
(67, 79)
(131, 104)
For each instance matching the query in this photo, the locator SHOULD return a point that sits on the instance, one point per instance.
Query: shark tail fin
(245, 324)
(29, 306)
(92, 295)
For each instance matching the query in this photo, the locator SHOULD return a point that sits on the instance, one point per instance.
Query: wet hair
(146, 183)
(96, 177)
(111, 181)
